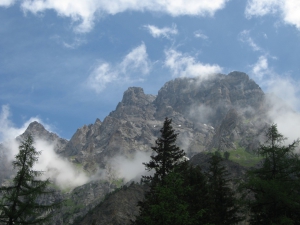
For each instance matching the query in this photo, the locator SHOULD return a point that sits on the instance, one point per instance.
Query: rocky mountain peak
(136, 96)
(38, 131)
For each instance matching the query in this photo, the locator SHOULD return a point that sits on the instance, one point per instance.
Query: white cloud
(289, 10)
(130, 168)
(85, 12)
(6, 3)
(186, 66)
(59, 170)
(134, 62)
(245, 37)
(282, 86)
(166, 32)
(260, 68)
(200, 34)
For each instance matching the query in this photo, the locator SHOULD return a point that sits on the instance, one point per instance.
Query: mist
(130, 168)
(60, 171)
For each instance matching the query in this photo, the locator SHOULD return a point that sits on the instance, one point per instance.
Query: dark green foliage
(275, 186)
(226, 155)
(223, 209)
(165, 204)
(167, 154)
(20, 202)
(197, 195)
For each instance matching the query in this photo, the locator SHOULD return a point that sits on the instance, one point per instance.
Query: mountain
(224, 112)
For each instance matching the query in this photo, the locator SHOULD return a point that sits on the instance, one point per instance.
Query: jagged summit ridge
(207, 114)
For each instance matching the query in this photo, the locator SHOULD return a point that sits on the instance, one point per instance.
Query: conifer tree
(20, 201)
(165, 201)
(275, 186)
(223, 209)
(166, 156)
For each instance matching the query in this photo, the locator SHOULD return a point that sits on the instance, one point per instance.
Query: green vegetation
(118, 182)
(241, 156)
(244, 158)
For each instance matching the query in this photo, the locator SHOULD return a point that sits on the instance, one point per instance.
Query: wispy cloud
(134, 62)
(245, 37)
(166, 32)
(84, 13)
(187, 66)
(289, 10)
(200, 34)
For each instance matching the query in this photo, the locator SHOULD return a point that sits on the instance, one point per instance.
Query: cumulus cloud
(125, 71)
(84, 13)
(186, 66)
(166, 32)
(289, 10)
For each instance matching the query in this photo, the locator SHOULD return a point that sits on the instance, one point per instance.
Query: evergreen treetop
(167, 155)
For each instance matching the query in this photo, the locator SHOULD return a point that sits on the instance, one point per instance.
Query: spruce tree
(167, 155)
(275, 187)
(223, 208)
(165, 201)
(20, 202)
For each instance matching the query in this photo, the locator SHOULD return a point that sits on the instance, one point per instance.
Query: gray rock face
(214, 113)
(38, 131)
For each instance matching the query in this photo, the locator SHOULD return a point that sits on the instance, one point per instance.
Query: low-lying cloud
(63, 173)
(130, 168)
(283, 97)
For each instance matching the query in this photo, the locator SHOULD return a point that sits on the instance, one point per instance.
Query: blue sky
(67, 62)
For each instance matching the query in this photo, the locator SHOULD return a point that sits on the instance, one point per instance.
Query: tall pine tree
(20, 202)
(167, 155)
(275, 186)
(165, 202)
